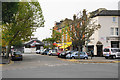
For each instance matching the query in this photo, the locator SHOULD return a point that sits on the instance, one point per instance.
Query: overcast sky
(56, 10)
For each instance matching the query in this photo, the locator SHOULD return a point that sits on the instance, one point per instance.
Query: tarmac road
(40, 66)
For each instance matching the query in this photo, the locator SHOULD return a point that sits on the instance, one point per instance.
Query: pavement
(3, 60)
(93, 60)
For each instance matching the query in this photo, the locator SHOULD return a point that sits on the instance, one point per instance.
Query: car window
(114, 50)
(106, 50)
(82, 53)
(18, 53)
(76, 53)
(118, 50)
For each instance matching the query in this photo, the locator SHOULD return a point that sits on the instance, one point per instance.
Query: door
(99, 50)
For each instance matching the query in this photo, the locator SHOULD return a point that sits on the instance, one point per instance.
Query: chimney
(74, 17)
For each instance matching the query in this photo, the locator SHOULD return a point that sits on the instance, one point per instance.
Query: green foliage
(25, 21)
(8, 10)
(50, 41)
(18, 44)
(56, 36)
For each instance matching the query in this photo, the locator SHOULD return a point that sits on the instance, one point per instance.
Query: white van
(111, 52)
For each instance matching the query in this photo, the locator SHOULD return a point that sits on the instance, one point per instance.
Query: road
(42, 66)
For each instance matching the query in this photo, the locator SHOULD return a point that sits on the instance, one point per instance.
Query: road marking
(1, 64)
(117, 61)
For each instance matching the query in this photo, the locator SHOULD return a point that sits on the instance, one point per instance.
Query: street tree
(49, 41)
(27, 19)
(83, 28)
(56, 36)
(8, 10)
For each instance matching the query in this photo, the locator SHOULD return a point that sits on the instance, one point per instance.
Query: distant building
(109, 33)
(63, 27)
(32, 46)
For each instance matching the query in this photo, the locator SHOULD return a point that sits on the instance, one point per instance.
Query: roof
(36, 42)
(108, 13)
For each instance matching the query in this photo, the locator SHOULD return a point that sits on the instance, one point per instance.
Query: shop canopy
(65, 45)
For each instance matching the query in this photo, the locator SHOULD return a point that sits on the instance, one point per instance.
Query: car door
(76, 55)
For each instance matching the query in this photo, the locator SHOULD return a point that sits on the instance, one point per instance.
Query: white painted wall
(106, 23)
(29, 50)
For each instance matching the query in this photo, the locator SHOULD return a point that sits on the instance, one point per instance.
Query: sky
(57, 10)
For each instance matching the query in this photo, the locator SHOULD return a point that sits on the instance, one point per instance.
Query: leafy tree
(8, 10)
(56, 36)
(27, 19)
(82, 29)
(50, 41)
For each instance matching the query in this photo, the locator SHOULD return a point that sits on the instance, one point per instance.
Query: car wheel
(73, 57)
(114, 57)
(106, 57)
(85, 58)
(21, 59)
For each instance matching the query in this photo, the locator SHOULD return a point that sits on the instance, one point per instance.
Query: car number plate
(17, 56)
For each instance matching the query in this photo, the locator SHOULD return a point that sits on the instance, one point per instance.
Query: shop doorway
(99, 46)
(99, 50)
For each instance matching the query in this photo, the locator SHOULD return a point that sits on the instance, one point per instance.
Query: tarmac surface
(42, 66)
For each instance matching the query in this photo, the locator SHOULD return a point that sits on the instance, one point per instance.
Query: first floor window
(116, 31)
(112, 31)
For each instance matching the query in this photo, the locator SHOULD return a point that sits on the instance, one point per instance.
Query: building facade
(109, 33)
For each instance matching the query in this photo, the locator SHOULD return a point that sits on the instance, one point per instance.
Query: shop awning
(65, 45)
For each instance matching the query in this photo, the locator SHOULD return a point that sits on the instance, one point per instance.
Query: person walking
(91, 53)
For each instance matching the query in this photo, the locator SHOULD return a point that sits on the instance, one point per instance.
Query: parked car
(41, 51)
(17, 56)
(58, 53)
(118, 53)
(83, 55)
(52, 52)
(111, 53)
(38, 52)
(62, 54)
(77, 54)
(45, 52)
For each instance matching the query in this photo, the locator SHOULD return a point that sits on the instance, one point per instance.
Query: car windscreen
(106, 50)
(18, 53)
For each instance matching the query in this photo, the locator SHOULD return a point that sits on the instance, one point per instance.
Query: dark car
(17, 56)
(62, 54)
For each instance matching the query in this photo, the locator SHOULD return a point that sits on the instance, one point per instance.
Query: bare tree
(82, 29)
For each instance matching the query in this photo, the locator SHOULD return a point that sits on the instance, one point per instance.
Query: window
(116, 31)
(112, 31)
(114, 19)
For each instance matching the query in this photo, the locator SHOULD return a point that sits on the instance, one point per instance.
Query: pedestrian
(91, 52)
